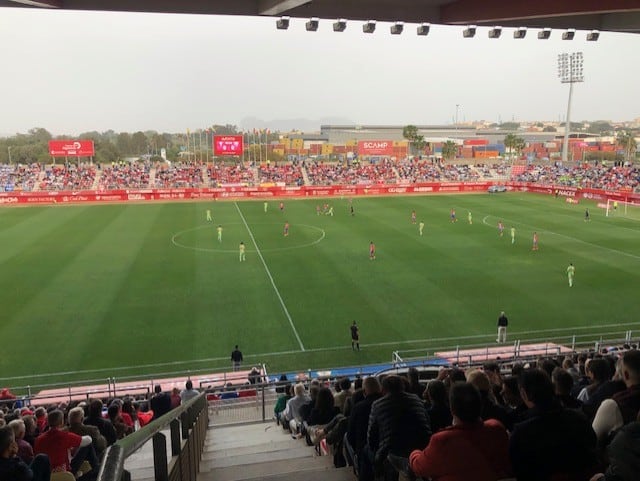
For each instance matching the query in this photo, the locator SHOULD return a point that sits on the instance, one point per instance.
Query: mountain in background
(287, 125)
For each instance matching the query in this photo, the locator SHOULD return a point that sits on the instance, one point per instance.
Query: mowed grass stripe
(67, 277)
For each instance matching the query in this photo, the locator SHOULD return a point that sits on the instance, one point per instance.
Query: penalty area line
(273, 284)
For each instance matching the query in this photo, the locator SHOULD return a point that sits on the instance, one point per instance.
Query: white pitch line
(615, 251)
(284, 307)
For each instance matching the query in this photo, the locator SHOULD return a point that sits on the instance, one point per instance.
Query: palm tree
(449, 150)
(627, 141)
(514, 143)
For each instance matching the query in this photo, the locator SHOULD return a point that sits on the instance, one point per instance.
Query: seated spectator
(188, 392)
(598, 373)
(322, 413)
(176, 400)
(94, 418)
(77, 426)
(128, 413)
(563, 383)
(484, 445)
(345, 392)
(623, 454)
(553, 442)
(66, 451)
(356, 438)
(12, 468)
(281, 402)
(490, 408)
(143, 414)
(126, 418)
(160, 402)
(25, 450)
(398, 424)
(31, 429)
(516, 408)
(356, 396)
(438, 406)
(41, 419)
(305, 409)
(291, 416)
(114, 415)
(624, 406)
(414, 382)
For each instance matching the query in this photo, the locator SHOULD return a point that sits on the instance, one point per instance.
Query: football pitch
(92, 291)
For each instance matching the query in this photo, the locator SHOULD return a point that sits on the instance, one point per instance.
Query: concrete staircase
(96, 179)
(305, 175)
(152, 177)
(263, 451)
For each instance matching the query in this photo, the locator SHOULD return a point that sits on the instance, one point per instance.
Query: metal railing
(187, 424)
(556, 342)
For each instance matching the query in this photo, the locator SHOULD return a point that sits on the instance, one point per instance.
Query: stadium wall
(222, 193)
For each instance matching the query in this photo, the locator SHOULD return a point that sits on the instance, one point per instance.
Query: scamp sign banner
(375, 147)
(71, 148)
(227, 145)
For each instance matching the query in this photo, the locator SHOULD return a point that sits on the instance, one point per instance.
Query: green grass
(86, 288)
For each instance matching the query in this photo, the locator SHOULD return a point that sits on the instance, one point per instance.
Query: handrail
(112, 466)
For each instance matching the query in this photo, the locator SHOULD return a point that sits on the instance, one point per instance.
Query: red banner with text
(71, 148)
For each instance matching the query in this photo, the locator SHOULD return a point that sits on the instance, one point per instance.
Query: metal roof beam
(279, 7)
(40, 3)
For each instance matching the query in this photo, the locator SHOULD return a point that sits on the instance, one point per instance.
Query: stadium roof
(610, 15)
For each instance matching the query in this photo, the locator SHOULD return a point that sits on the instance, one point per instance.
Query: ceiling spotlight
(340, 25)
(520, 32)
(593, 36)
(282, 23)
(569, 34)
(495, 32)
(369, 27)
(397, 28)
(312, 24)
(469, 32)
(544, 34)
(424, 29)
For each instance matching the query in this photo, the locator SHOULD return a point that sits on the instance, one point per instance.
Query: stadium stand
(19, 177)
(71, 177)
(121, 176)
(179, 175)
(289, 174)
(220, 174)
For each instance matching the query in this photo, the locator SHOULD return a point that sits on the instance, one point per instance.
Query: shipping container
(473, 142)
(484, 154)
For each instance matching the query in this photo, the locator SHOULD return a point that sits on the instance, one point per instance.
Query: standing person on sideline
(209, 218)
(219, 233)
(372, 251)
(266, 206)
(535, 242)
(241, 252)
(420, 228)
(355, 336)
(586, 215)
(236, 358)
(286, 228)
(570, 273)
(470, 218)
(503, 322)
(513, 235)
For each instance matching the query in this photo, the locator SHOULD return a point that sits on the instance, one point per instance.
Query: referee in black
(355, 336)
(236, 358)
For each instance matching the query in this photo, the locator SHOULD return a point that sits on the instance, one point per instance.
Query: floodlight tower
(569, 72)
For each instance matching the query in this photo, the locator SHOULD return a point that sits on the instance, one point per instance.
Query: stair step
(289, 467)
(257, 458)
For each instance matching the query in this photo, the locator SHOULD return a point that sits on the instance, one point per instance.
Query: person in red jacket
(483, 445)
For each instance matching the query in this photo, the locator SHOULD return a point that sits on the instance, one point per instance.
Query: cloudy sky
(74, 71)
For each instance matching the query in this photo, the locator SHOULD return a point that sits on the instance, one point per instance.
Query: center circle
(178, 239)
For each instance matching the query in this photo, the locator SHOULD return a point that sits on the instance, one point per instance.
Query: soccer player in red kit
(413, 216)
(281, 206)
(535, 242)
(453, 215)
(372, 251)
(500, 228)
(286, 229)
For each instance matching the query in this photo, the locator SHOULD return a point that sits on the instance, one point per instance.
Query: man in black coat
(552, 440)
(94, 418)
(398, 424)
(160, 403)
